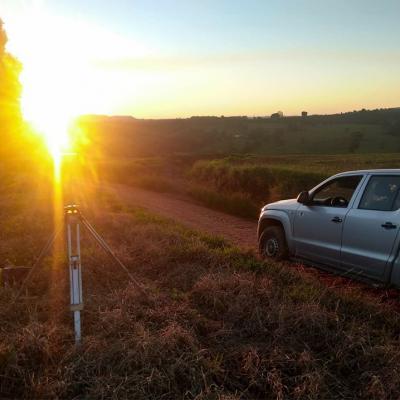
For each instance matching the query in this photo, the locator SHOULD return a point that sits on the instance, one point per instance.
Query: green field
(376, 131)
(239, 184)
(237, 164)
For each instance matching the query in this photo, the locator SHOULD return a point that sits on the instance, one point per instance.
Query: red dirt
(239, 231)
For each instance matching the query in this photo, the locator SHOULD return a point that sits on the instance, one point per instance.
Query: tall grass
(259, 180)
(233, 203)
(239, 184)
(229, 182)
(216, 323)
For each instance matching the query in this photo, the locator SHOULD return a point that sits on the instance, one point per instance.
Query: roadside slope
(239, 231)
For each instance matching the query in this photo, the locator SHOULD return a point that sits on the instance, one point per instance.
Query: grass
(234, 203)
(362, 132)
(256, 180)
(260, 180)
(158, 153)
(148, 173)
(239, 184)
(216, 323)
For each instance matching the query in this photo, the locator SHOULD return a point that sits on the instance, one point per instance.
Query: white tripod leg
(75, 272)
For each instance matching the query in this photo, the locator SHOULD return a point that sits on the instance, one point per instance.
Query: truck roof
(393, 171)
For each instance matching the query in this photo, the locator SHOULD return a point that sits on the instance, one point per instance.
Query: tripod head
(72, 210)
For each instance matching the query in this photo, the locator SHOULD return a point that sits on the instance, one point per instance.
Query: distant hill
(365, 131)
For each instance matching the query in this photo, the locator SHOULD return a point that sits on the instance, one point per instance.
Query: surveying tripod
(73, 221)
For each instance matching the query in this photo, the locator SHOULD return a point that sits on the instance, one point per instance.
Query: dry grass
(216, 323)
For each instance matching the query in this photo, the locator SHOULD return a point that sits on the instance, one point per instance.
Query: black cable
(103, 244)
(108, 250)
(42, 253)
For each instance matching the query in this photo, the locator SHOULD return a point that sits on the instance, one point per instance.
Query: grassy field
(258, 180)
(215, 323)
(237, 164)
(239, 184)
(375, 131)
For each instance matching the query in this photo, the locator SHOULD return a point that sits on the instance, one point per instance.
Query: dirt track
(239, 231)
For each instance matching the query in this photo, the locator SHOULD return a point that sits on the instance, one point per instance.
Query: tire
(272, 244)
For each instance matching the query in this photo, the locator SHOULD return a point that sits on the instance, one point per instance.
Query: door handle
(388, 225)
(336, 220)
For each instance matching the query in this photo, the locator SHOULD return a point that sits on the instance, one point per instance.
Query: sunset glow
(51, 77)
(178, 60)
(59, 77)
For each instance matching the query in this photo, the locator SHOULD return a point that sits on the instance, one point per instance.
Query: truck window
(337, 192)
(381, 194)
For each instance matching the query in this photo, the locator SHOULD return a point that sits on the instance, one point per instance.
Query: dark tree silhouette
(10, 91)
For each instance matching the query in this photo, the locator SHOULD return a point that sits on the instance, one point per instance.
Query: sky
(170, 58)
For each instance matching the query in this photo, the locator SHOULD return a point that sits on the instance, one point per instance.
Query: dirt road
(239, 231)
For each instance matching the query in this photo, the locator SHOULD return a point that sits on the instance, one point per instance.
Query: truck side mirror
(304, 198)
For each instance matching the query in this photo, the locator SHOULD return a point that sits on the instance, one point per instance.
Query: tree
(10, 92)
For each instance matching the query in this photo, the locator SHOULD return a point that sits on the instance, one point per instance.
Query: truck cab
(348, 223)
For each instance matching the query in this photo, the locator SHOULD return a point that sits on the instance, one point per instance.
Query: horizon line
(238, 115)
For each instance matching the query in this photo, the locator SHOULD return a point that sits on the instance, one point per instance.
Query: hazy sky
(180, 58)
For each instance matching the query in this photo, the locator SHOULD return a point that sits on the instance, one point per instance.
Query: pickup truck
(347, 224)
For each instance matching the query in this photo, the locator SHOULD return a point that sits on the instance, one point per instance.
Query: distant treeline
(362, 131)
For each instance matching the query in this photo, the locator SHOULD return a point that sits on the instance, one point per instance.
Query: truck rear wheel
(272, 244)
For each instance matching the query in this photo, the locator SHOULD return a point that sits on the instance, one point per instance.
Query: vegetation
(215, 322)
(239, 184)
(375, 131)
(232, 203)
(10, 89)
(272, 156)
(16, 136)
(260, 180)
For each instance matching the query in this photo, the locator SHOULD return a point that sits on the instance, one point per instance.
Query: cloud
(174, 62)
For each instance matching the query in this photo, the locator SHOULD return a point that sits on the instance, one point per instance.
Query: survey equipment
(74, 219)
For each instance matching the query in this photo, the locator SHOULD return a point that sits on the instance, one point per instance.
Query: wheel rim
(271, 247)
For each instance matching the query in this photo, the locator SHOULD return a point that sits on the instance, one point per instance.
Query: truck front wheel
(272, 244)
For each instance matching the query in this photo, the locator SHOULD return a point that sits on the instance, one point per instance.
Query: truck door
(371, 227)
(318, 226)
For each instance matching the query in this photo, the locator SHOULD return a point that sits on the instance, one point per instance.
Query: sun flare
(67, 70)
(56, 76)
(53, 128)
(51, 77)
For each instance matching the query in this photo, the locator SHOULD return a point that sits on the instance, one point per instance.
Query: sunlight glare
(51, 80)
(62, 77)
(56, 76)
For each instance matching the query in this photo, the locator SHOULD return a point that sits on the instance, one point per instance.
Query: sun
(68, 70)
(52, 85)
(55, 77)
(49, 122)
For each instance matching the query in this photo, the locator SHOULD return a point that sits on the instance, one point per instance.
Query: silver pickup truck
(348, 224)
